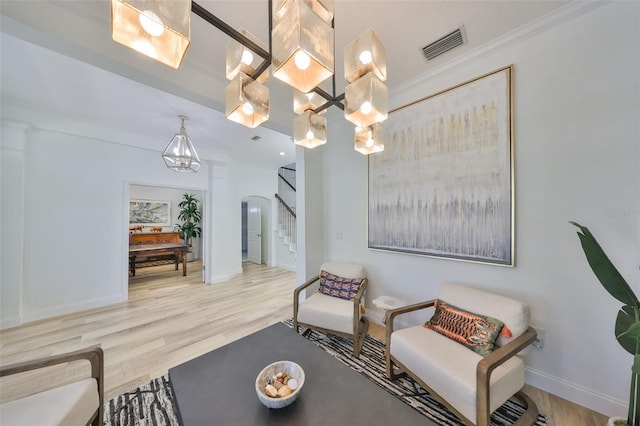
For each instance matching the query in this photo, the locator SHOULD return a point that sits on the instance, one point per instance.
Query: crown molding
(549, 21)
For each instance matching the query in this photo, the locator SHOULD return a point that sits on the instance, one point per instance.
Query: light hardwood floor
(170, 319)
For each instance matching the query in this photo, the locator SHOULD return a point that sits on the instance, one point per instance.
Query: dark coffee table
(218, 388)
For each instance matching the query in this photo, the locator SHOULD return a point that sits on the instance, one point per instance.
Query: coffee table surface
(218, 388)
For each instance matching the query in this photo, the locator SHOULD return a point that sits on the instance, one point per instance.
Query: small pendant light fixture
(366, 97)
(247, 101)
(159, 29)
(180, 155)
(369, 140)
(310, 130)
(302, 42)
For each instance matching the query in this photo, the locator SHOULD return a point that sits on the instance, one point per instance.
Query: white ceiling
(57, 55)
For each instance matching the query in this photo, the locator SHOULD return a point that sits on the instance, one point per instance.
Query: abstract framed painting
(444, 185)
(147, 212)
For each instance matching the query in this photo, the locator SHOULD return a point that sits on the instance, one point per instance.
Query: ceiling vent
(445, 43)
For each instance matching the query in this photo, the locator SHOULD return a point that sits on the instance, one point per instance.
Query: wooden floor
(170, 319)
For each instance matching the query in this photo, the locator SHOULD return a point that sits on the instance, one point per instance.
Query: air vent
(255, 138)
(444, 44)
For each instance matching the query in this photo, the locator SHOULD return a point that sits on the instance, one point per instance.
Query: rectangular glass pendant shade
(310, 130)
(247, 101)
(302, 48)
(369, 140)
(160, 30)
(363, 55)
(366, 101)
(323, 8)
(305, 101)
(241, 59)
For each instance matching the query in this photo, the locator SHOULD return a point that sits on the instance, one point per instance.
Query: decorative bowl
(292, 370)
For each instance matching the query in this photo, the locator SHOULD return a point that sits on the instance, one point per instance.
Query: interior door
(254, 232)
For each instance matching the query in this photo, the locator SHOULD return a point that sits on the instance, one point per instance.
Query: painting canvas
(146, 212)
(443, 186)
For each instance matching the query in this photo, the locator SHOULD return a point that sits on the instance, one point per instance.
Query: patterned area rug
(150, 404)
(154, 403)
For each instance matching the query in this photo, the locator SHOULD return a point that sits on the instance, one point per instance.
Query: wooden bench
(157, 244)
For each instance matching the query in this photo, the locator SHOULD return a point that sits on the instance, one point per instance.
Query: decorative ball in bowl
(279, 384)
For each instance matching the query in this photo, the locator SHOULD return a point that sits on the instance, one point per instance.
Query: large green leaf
(604, 270)
(626, 321)
(636, 364)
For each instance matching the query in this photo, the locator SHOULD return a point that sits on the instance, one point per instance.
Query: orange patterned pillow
(476, 332)
(344, 288)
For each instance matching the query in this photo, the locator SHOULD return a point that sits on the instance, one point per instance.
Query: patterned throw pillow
(344, 288)
(476, 332)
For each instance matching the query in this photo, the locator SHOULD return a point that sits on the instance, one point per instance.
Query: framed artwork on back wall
(444, 185)
(148, 212)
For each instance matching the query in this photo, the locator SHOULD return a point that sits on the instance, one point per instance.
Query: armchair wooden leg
(358, 340)
(393, 373)
(531, 415)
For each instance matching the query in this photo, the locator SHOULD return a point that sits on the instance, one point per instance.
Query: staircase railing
(287, 186)
(287, 222)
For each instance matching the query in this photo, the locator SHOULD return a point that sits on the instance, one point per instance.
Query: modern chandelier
(180, 155)
(300, 53)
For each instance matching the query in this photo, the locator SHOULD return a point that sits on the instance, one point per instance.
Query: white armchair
(337, 310)
(471, 385)
(77, 403)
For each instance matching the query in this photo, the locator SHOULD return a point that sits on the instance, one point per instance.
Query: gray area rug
(154, 403)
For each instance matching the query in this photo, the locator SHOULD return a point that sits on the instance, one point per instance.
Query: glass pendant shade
(302, 48)
(241, 59)
(369, 140)
(323, 8)
(305, 101)
(310, 130)
(363, 55)
(366, 101)
(180, 155)
(159, 29)
(247, 101)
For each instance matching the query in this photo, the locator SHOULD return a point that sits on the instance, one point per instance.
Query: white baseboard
(291, 268)
(10, 322)
(223, 278)
(71, 308)
(577, 394)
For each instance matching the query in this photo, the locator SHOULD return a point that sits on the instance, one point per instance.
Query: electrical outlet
(540, 338)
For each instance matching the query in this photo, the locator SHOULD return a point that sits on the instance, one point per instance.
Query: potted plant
(627, 327)
(191, 217)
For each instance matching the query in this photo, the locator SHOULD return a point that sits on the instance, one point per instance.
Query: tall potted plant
(191, 217)
(627, 327)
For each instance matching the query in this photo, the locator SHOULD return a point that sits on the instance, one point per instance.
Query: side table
(386, 303)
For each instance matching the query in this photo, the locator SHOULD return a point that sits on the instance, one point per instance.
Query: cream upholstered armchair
(77, 403)
(472, 379)
(336, 307)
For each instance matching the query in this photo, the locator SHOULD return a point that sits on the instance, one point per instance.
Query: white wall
(65, 192)
(577, 140)
(11, 222)
(73, 226)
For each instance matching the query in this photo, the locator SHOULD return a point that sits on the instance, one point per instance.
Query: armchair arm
(296, 299)
(94, 355)
(298, 289)
(392, 313)
(356, 304)
(491, 362)
(360, 293)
